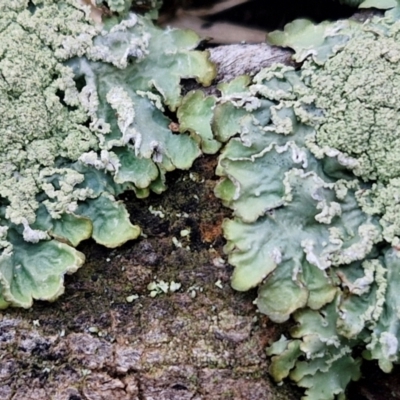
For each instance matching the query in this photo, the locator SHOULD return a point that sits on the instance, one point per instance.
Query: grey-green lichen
(309, 167)
(359, 93)
(82, 121)
(311, 172)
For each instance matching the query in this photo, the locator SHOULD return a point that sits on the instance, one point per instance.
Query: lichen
(309, 166)
(358, 91)
(82, 121)
(311, 174)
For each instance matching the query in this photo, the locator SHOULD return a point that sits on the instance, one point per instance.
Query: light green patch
(288, 351)
(195, 115)
(381, 4)
(73, 228)
(111, 225)
(308, 39)
(35, 271)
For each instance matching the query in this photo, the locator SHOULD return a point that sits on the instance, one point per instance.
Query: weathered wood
(246, 59)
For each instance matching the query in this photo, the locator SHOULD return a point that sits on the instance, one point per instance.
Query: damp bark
(106, 337)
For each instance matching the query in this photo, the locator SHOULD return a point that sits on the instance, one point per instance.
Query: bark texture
(202, 342)
(246, 59)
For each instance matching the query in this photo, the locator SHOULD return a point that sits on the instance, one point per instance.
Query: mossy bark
(204, 341)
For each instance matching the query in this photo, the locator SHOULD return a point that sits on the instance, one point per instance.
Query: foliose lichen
(309, 166)
(310, 170)
(83, 120)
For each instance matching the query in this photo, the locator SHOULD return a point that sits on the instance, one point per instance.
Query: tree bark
(201, 342)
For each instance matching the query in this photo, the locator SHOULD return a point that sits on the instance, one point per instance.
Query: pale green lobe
(3, 303)
(182, 151)
(319, 324)
(195, 115)
(321, 289)
(225, 190)
(191, 65)
(308, 39)
(67, 228)
(362, 307)
(254, 166)
(235, 86)
(158, 186)
(247, 254)
(282, 295)
(140, 171)
(325, 381)
(253, 186)
(233, 105)
(72, 228)
(288, 351)
(381, 4)
(226, 121)
(111, 225)
(36, 271)
(384, 346)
